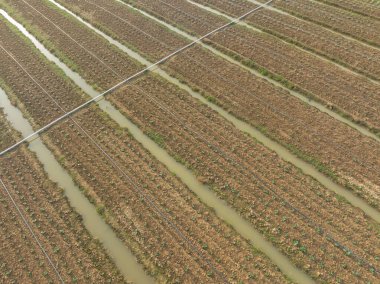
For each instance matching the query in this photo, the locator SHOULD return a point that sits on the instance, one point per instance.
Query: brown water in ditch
(284, 153)
(119, 253)
(208, 197)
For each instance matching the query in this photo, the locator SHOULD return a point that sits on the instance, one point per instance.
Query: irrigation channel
(284, 153)
(223, 211)
(250, 26)
(120, 254)
(310, 102)
(282, 11)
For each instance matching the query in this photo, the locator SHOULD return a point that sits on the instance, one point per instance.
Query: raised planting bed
(175, 236)
(309, 36)
(78, 257)
(333, 147)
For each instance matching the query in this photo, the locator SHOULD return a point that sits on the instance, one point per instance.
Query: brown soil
(310, 36)
(261, 202)
(79, 258)
(366, 7)
(109, 65)
(183, 246)
(132, 24)
(239, 184)
(299, 239)
(325, 81)
(319, 137)
(338, 149)
(357, 26)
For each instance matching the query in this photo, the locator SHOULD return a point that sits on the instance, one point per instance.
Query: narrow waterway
(283, 152)
(280, 10)
(119, 253)
(251, 27)
(310, 102)
(207, 196)
(146, 62)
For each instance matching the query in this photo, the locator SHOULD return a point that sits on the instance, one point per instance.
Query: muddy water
(241, 23)
(279, 10)
(251, 27)
(120, 254)
(222, 210)
(145, 62)
(284, 153)
(310, 102)
(128, 51)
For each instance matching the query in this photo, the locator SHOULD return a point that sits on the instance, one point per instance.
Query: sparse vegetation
(172, 233)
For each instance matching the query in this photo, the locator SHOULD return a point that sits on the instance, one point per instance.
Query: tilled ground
(260, 186)
(309, 245)
(329, 144)
(365, 7)
(296, 68)
(256, 182)
(173, 234)
(79, 258)
(357, 26)
(98, 56)
(334, 147)
(154, 240)
(310, 36)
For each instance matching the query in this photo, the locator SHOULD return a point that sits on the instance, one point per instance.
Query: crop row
(248, 176)
(322, 140)
(177, 238)
(7, 136)
(294, 68)
(357, 26)
(367, 8)
(264, 202)
(310, 36)
(60, 230)
(111, 71)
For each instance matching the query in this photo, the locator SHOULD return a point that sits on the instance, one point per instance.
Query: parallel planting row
(357, 26)
(78, 257)
(350, 53)
(369, 8)
(336, 149)
(173, 235)
(267, 191)
(295, 68)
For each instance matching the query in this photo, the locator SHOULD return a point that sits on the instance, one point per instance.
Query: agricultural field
(340, 20)
(309, 36)
(294, 68)
(169, 238)
(251, 155)
(367, 8)
(286, 118)
(52, 220)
